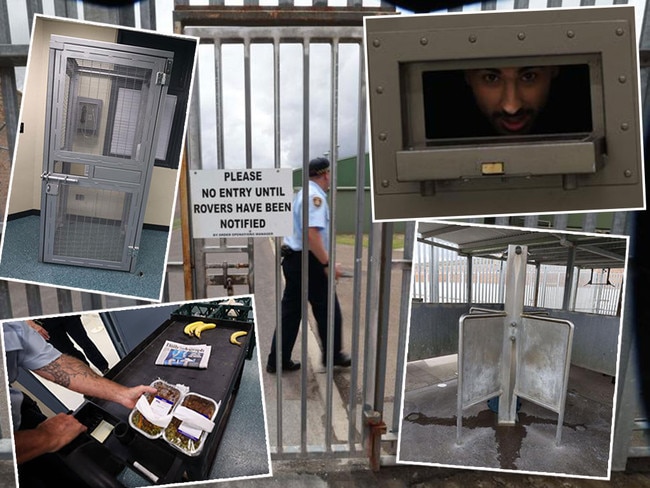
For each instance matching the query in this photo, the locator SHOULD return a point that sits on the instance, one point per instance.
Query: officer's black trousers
(291, 306)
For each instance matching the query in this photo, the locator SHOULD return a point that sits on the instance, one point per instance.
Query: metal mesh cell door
(104, 108)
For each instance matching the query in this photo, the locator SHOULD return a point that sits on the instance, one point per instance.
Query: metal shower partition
(104, 107)
(513, 355)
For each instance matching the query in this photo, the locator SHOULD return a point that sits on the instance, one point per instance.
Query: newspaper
(184, 355)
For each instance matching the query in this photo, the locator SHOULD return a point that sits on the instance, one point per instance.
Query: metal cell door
(103, 112)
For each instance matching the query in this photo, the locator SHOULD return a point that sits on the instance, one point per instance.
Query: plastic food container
(162, 403)
(185, 437)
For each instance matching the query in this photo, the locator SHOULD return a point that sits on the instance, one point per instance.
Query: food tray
(164, 401)
(190, 441)
(220, 381)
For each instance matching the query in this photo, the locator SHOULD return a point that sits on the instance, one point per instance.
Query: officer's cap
(318, 166)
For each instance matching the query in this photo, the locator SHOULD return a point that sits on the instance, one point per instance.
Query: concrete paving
(317, 474)
(428, 432)
(355, 475)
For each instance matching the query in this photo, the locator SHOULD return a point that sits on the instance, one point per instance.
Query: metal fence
(441, 276)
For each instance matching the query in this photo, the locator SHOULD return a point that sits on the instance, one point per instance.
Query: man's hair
(318, 166)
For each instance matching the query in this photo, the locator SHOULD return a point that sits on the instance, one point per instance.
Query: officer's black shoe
(343, 360)
(290, 366)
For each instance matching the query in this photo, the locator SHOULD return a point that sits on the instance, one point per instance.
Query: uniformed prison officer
(318, 269)
(38, 437)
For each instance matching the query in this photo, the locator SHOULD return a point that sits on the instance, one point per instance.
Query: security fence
(441, 276)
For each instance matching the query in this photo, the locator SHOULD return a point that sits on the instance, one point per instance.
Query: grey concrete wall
(434, 329)
(434, 332)
(595, 340)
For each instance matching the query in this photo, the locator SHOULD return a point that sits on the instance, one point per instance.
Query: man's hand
(131, 395)
(61, 429)
(43, 333)
(337, 271)
(49, 436)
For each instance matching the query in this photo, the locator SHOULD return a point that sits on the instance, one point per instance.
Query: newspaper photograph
(184, 355)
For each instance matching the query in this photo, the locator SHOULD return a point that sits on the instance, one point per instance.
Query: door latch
(57, 177)
(52, 182)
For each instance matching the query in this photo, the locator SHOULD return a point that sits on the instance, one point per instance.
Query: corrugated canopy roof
(550, 248)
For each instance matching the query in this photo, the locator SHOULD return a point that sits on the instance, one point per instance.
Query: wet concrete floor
(429, 433)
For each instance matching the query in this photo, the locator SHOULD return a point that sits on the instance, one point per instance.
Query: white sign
(241, 203)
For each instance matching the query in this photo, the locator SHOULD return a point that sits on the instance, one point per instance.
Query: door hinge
(133, 251)
(161, 78)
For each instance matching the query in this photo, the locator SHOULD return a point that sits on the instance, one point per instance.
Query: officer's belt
(286, 251)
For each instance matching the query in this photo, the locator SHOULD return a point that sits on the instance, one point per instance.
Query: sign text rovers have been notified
(241, 203)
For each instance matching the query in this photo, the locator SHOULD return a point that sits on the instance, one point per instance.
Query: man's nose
(510, 99)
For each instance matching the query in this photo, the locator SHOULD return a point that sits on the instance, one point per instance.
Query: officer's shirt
(319, 216)
(24, 348)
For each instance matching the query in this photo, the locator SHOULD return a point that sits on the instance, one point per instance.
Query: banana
(206, 326)
(236, 335)
(189, 328)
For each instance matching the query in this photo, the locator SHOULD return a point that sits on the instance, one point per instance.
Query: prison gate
(363, 412)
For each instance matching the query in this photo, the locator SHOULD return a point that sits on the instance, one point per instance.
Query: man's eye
(490, 78)
(529, 76)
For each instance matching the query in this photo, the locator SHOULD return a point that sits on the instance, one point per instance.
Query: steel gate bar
(407, 270)
(378, 427)
(64, 299)
(247, 101)
(333, 157)
(34, 304)
(8, 82)
(370, 332)
(192, 158)
(627, 398)
(187, 249)
(304, 256)
(358, 249)
(278, 245)
(67, 8)
(249, 151)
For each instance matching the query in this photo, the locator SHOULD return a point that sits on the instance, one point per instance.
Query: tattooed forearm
(64, 369)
